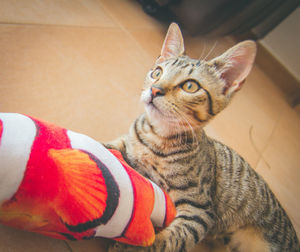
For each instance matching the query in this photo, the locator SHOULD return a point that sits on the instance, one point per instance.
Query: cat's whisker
(179, 127)
(182, 138)
(211, 50)
(177, 130)
(195, 139)
(178, 124)
(186, 120)
(203, 51)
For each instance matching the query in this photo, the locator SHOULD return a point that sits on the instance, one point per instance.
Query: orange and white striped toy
(66, 185)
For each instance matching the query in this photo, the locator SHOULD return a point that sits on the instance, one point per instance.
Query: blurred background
(81, 64)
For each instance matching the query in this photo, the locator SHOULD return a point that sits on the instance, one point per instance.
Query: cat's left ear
(173, 45)
(235, 64)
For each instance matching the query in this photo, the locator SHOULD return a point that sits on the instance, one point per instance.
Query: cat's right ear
(173, 45)
(235, 64)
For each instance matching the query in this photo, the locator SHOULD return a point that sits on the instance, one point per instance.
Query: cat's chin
(163, 128)
(163, 125)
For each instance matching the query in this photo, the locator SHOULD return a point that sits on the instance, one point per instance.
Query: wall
(284, 43)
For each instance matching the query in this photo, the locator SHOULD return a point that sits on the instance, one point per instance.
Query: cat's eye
(156, 73)
(190, 86)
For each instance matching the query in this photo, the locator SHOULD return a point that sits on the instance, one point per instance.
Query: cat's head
(182, 93)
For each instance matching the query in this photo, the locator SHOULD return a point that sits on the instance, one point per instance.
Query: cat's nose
(155, 91)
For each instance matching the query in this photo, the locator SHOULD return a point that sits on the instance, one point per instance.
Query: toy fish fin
(82, 196)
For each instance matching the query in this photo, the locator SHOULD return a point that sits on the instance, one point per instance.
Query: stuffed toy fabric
(68, 186)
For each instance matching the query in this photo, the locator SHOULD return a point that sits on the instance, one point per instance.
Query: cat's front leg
(188, 228)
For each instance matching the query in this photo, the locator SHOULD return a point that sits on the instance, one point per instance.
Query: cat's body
(218, 196)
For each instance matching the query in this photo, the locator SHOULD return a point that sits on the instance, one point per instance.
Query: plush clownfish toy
(66, 185)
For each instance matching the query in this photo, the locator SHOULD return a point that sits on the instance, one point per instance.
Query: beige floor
(81, 64)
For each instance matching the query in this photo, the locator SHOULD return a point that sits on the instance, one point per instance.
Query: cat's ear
(173, 45)
(235, 64)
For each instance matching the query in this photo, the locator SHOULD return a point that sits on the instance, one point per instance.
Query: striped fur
(220, 199)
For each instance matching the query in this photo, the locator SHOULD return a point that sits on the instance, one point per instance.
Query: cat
(219, 198)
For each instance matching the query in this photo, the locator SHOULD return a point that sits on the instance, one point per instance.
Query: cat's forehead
(183, 67)
(182, 62)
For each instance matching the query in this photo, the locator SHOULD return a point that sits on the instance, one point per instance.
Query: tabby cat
(218, 196)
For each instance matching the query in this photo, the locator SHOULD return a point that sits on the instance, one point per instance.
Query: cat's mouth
(155, 108)
(160, 115)
(148, 100)
(152, 108)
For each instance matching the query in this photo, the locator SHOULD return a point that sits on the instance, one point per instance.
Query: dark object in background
(250, 18)
(158, 11)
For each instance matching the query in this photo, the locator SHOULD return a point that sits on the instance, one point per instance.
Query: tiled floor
(81, 64)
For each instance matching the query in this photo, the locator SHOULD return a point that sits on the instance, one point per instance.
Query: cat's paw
(121, 247)
(115, 247)
(117, 144)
